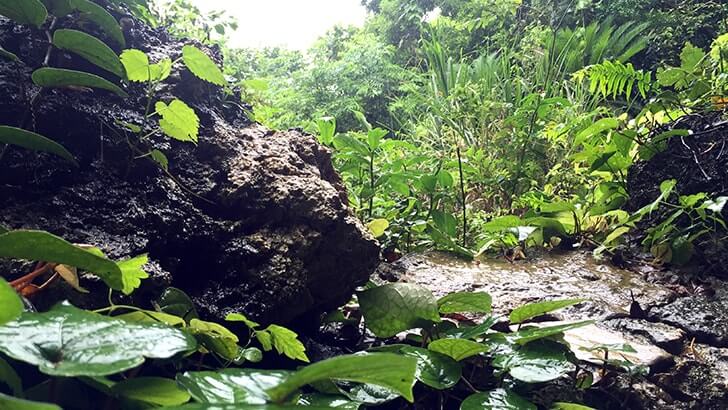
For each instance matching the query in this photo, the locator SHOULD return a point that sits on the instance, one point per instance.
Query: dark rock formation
(247, 220)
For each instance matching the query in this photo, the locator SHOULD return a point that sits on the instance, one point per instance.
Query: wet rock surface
(681, 336)
(246, 220)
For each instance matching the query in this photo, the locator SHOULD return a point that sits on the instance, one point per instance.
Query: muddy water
(550, 276)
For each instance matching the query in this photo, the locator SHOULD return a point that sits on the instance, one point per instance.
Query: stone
(665, 336)
(246, 220)
(700, 377)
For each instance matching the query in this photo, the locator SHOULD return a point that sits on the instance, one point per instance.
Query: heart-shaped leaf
(178, 121)
(62, 78)
(434, 369)
(458, 349)
(531, 310)
(537, 362)
(67, 341)
(498, 399)
(465, 302)
(396, 307)
(90, 48)
(31, 140)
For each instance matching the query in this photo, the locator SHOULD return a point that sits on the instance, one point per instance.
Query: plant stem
(462, 196)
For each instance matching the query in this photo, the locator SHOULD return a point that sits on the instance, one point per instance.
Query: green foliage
(100, 17)
(392, 308)
(31, 140)
(138, 69)
(202, 66)
(90, 48)
(498, 399)
(63, 78)
(156, 391)
(178, 121)
(531, 310)
(12, 305)
(24, 12)
(465, 302)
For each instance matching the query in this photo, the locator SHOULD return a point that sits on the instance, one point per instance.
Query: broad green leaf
(215, 338)
(458, 349)
(99, 16)
(569, 406)
(14, 403)
(265, 339)
(67, 341)
(465, 302)
(31, 140)
(498, 399)
(445, 222)
(388, 370)
(153, 390)
(132, 273)
(24, 11)
(239, 317)
(246, 386)
(472, 332)
(374, 137)
(8, 55)
(597, 128)
(58, 8)
(202, 66)
(286, 343)
(378, 227)
(368, 393)
(691, 57)
(434, 369)
(178, 121)
(62, 78)
(161, 159)
(502, 223)
(177, 303)
(397, 307)
(11, 304)
(150, 316)
(136, 65)
(90, 48)
(10, 378)
(326, 129)
(531, 310)
(326, 401)
(537, 362)
(43, 246)
(532, 334)
(616, 234)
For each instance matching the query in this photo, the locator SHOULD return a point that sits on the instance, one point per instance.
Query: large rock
(247, 220)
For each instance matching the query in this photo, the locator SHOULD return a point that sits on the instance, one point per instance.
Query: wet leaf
(31, 140)
(202, 66)
(458, 349)
(90, 48)
(215, 338)
(397, 307)
(434, 369)
(150, 316)
(538, 362)
(14, 403)
(43, 246)
(231, 385)
(67, 341)
(326, 401)
(153, 390)
(24, 11)
(378, 227)
(62, 78)
(498, 399)
(531, 310)
(178, 121)
(388, 370)
(465, 302)
(99, 16)
(529, 335)
(11, 304)
(367, 393)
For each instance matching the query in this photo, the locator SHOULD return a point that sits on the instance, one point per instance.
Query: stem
(47, 58)
(371, 183)
(462, 196)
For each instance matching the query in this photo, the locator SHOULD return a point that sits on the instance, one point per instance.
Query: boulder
(246, 220)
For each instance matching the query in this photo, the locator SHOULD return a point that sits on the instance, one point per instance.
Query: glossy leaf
(31, 140)
(99, 16)
(569, 406)
(178, 121)
(14, 403)
(231, 385)
(90, 48)
(43, 246)
(388, 370)
(62, 78)
(175, 302)
(529, 335)
(434, 369)
(465, 302)
(153, 390)
(202, 66)
(458, 349)
(24, 11)
(67, 341)
(498, 399)
(326, 401)
(536, 362)
(396, 307)
(11, 304)
(531, 310)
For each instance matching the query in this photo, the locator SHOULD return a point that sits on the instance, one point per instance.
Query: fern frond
(614, 78)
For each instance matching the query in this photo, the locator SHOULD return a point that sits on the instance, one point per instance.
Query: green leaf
(11, 304)
(531, 310)
(208, 406)
(231, 385)
(153, 390)
(388, 370)
(532, 334)
(62, 78)
(58, 8)
(326, 401)
(161, 159)
(502, 223)
(458, 349)
(43, 246)
(202, 66)
(136, 65)
(99, 16)
(175, 302)
(265, 339)
(24, 11)
(7, 54)
(132, 273)
(538, 362)
(378, 227)
(434, 369)
(90, 48)
(178, 121)
(691, 57)
(396, 307)
(239, 317)
(10, 378)
(150, 316)
(31, 140)
(67, 341)
(326, 129)
(374, 137)
(14, 403)
(215, 338)
(597, 128)
(498, 399)
(569, 406)
(465, 302)
(286, 343)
